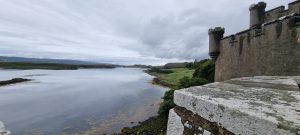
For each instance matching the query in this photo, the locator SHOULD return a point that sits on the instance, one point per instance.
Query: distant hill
(52, 61)
(175, 65)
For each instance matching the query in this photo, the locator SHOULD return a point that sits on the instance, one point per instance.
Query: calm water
(90, 101)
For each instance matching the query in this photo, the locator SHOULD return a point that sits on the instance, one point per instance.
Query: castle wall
(271, 46)
(272, 50)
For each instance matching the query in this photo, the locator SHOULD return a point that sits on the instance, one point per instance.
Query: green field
(178, 73)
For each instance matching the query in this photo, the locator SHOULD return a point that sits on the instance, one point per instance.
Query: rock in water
(3, 131)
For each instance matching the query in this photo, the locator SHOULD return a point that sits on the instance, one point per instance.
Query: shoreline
(157, 122)
(157, 81)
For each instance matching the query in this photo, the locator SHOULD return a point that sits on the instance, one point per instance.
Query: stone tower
(215, 37)
(257, 12)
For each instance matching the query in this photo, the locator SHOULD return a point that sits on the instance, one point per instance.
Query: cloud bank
(132, 31)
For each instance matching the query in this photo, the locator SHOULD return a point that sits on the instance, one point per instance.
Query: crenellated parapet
(258, 15)
(271, 46)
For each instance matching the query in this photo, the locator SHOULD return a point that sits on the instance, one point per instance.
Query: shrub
(168, 102)
(206, 70)
(186, 82)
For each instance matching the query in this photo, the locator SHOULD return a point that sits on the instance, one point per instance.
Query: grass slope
(170, 77)
(178, 73)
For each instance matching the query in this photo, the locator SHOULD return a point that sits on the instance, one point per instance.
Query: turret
(215, 37)
(257, 13)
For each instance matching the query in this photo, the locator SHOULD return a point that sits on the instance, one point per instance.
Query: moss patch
(153, 126)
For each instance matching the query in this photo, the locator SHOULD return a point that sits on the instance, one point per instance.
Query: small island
(14, 81)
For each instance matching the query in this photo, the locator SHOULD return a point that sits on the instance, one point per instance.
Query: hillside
(45, 60)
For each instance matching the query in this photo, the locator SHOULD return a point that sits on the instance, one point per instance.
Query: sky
(118, 31)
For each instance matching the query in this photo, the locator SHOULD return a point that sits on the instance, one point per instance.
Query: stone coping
(248, 106)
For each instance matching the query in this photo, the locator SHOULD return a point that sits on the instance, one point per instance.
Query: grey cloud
(117, 30)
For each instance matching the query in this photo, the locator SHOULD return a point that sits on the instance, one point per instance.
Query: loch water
(77, 101)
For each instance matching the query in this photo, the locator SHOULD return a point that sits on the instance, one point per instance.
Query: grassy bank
(52, 66)
(170, 77)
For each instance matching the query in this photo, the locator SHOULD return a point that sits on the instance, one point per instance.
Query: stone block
(259, 105)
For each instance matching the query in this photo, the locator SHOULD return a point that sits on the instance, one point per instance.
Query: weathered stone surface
(175, 126)
(195, 124)
(3, 131)
(247, 109)
(273, 82)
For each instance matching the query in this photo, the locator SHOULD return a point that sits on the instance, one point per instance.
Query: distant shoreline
(50, 66)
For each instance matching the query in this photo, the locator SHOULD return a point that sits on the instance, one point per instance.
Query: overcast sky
(118, 31)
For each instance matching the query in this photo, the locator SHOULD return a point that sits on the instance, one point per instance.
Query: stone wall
(247, 106)
(271, 48)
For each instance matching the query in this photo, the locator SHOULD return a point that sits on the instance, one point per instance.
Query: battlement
(270, 46)
(259, 16)
(292, 21)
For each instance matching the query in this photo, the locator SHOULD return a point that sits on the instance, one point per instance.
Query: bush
(195, 81)
(186, 82)
(206, 70)
(167, 104)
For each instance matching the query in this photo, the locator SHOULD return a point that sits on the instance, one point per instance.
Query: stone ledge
(247, 109)
(3, 131)
(175, 127)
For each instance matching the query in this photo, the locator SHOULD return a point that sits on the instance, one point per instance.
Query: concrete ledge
(247, 108)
